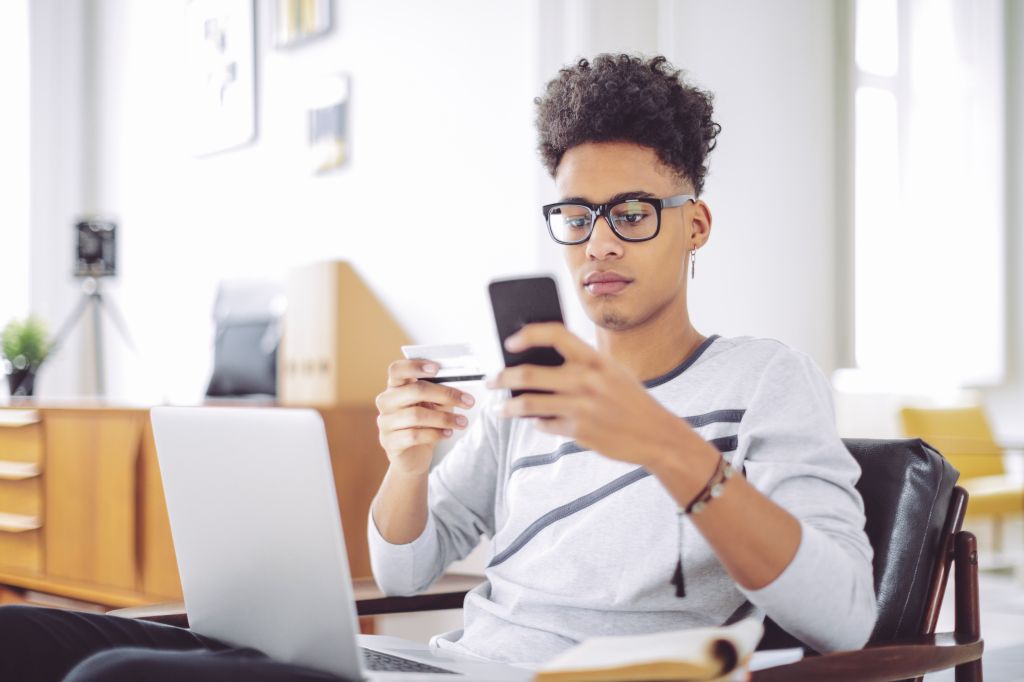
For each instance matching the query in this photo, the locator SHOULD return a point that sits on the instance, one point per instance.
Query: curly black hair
(627, 98)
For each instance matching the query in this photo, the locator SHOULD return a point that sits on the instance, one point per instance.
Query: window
(929, 282)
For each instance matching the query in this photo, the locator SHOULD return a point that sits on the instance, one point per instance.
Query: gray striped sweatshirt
(584, 545)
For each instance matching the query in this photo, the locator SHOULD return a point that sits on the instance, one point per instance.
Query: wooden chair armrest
(447, 593)
(901, 660)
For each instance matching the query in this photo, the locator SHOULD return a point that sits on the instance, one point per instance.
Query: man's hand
(415, 415)
(594, 400)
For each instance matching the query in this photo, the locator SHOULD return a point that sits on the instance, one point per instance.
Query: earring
(693, 263)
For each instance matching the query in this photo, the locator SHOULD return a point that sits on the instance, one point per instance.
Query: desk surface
(447, 592)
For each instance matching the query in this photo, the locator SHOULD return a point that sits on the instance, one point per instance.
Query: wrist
(684, 464)
(399, 472)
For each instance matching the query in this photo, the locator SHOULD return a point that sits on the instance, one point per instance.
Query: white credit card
(457, 361)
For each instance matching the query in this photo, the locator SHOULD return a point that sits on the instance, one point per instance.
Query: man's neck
(654, 348)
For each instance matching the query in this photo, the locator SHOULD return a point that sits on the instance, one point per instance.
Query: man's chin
(607, 317)
(613, 320)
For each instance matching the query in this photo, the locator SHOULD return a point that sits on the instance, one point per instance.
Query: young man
(582, 508)
(602, 516)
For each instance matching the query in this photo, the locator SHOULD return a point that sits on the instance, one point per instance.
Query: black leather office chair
(914, 511)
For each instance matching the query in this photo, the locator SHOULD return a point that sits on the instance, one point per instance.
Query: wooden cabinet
(82, 511)
(21, 492)
(90, 495)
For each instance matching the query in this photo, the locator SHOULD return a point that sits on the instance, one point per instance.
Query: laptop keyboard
(377, 660)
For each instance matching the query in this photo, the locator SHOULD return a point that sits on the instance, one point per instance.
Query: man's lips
(598, 283)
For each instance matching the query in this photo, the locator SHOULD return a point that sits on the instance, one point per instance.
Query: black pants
(38, 644)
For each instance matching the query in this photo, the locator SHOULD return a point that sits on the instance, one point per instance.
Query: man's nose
(603, 242)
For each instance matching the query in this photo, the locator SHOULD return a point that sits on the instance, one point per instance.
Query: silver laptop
(254, 517)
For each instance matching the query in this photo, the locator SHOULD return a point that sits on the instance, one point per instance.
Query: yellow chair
(964, 437)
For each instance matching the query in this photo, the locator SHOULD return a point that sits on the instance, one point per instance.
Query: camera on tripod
(95, 259)
(96, 248)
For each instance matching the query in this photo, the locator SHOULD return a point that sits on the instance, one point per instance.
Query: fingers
(407, 438)
(423, 392)
(557, 425)
(542, 405)
(418, 417)
(569, 346)
(538, 377)
(417, 413)
(401, 372)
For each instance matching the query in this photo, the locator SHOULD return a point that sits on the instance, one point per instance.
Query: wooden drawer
(21, 546)
(24, 496)
(21, 443)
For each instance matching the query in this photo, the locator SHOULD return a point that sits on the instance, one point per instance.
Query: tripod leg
(115, 316)
(69, 323)
(97, 340)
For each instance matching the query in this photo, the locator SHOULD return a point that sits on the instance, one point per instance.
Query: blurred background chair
(247, 314)
(964, 437)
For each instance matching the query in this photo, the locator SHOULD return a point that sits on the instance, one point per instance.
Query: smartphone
(521, 301)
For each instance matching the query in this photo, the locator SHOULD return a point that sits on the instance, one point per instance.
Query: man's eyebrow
(621, 196)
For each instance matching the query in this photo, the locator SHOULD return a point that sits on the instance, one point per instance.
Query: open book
(692, 654)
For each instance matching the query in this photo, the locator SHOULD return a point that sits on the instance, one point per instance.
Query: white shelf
(15, 418)
(17, 471)
(18, 523)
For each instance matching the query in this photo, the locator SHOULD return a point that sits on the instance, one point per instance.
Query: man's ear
(700, 224)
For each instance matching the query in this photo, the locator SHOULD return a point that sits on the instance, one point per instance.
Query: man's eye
(576, 223)
(631, 218)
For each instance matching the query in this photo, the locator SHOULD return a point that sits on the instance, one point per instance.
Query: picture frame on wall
(297, 21)
(221, 74)
(328, 105)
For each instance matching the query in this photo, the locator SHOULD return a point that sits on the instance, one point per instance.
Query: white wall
(58, 167)
(441, 141)
(1005, 404)
(14, 161)
(768, 269)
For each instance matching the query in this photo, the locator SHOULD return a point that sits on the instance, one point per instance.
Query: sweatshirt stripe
(568, 509)
(716, 417)
(725, 444)
(570, 448)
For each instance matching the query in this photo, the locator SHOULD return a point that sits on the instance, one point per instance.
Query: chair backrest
(907, 487)
(962, 435)
(247, 315)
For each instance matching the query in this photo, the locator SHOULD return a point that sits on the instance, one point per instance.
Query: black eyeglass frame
(597, 210)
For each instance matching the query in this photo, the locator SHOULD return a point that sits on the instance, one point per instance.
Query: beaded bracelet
(713, 488)
(723, 472)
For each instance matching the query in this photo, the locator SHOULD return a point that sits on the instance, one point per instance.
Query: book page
(696, 652)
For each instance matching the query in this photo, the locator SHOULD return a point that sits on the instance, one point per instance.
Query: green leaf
(29, 338)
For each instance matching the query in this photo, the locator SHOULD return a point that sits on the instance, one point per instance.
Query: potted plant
(25, 344)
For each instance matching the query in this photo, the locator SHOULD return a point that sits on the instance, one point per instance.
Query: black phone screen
(521, 301)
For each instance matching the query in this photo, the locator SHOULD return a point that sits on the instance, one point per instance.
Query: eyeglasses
(632, 220)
